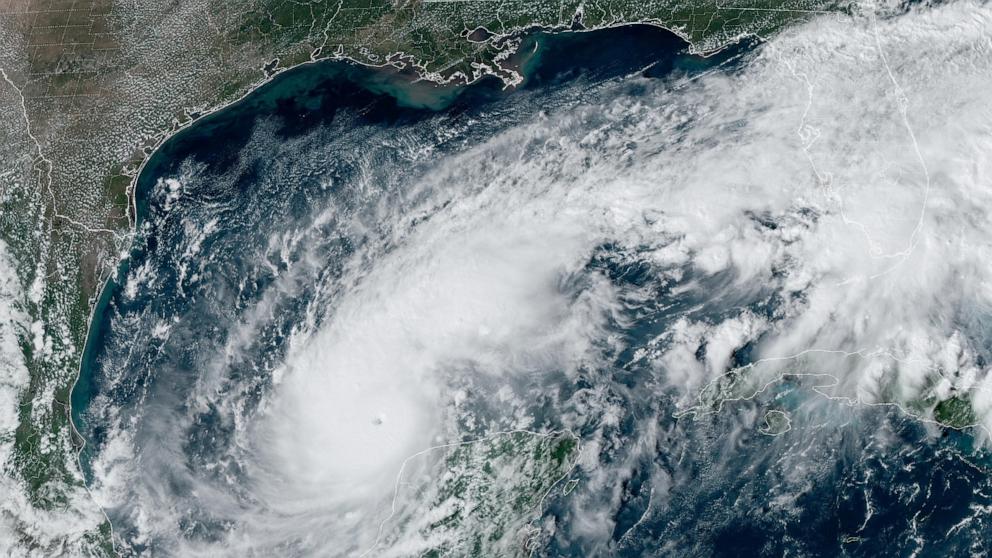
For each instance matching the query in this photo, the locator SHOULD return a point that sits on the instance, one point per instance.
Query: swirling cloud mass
(489, 323)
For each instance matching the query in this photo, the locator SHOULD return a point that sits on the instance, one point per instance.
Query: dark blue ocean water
(257, 169)
(312, 96)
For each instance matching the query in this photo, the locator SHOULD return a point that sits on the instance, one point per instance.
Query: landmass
(493, 489)
(934, 402)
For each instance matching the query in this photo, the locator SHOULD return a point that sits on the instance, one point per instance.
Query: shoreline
(400, 62)
(394, 76)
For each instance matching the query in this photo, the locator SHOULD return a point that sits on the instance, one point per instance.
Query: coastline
(389, 79)
(110, 285)
(399, 64)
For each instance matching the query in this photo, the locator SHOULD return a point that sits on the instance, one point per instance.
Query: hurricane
(744, 302)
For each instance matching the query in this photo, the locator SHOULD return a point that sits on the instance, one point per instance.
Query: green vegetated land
(465, 39)
(490, 494)
(91, 87)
